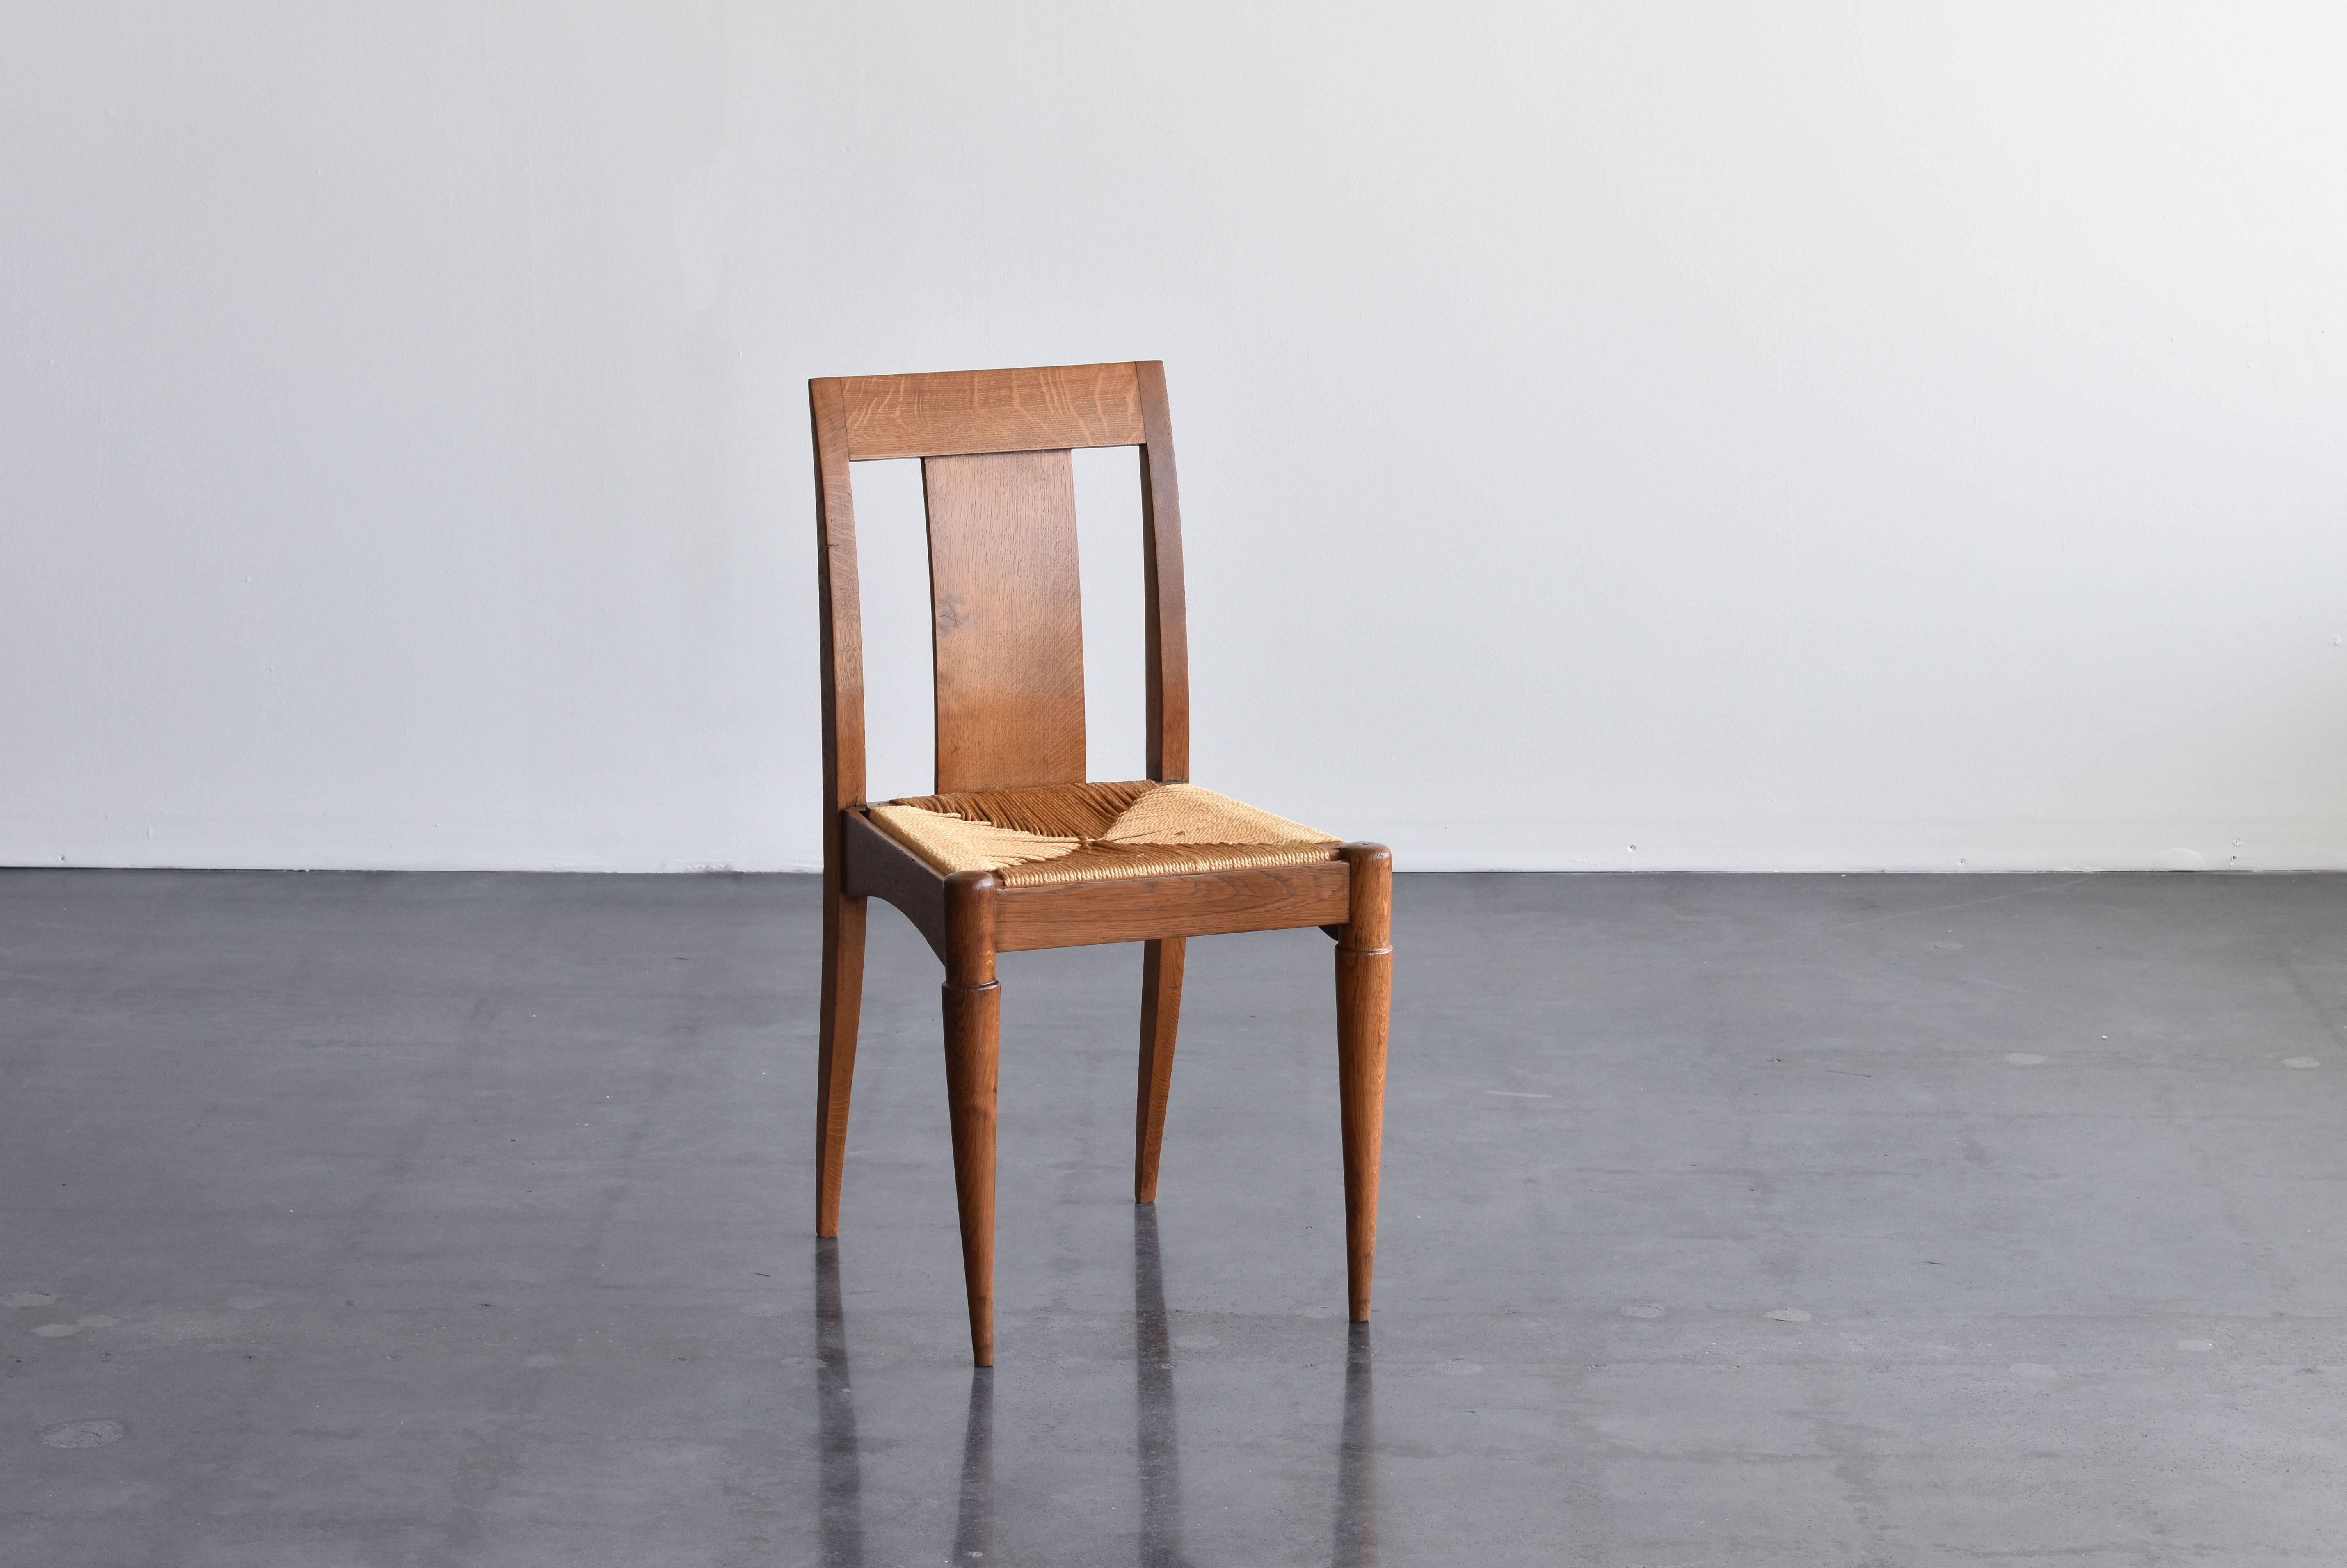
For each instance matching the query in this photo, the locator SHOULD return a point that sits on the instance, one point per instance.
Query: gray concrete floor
(378, 1220)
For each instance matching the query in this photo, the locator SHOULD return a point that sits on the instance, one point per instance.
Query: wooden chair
(1017, 850)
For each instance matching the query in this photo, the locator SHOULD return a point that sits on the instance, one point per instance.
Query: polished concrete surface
(371, 1220)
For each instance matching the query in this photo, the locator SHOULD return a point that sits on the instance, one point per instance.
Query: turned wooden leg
(843, 1002)
(1161, 1015)
(1364, 989)
(973, 1031)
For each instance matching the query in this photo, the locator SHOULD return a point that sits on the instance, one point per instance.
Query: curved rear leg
(1161, 1016)
(843, 1002)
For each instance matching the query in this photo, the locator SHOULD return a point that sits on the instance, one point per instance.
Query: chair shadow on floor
(1156, 1445)
(840, 1469)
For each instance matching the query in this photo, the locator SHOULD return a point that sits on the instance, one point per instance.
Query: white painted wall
(1771, 436)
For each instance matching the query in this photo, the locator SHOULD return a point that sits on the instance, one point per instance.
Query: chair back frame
(1006, 618)
(997, 484)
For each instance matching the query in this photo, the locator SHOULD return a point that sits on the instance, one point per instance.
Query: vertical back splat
(1006, 610)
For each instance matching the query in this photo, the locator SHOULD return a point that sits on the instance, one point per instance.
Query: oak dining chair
(1017, 850)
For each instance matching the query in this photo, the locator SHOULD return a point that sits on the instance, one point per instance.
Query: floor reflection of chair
(1157, 1446)
(841, 1473)
(1357, 1462)
(1158, 1441)
(974, 1518)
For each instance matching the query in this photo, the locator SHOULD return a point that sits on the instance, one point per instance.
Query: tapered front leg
(973, 1034)
(843, 1002)
(1161, 1016)
(1364, 992)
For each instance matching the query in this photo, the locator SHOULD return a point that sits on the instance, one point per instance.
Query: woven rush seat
(1096, 832)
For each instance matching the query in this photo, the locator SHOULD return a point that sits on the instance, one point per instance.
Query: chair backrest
(1006, 606)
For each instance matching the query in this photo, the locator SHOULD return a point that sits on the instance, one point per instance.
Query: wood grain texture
(973, 1026)
(973, 1034)
(840, 638)
(1146, 908)
(839, 616)
(1165, 616)
(1364, 1000)
(1369, 898)
(972, 910)
(1161, 1019)
(1007, 603)
(958, 413)
(843, 1003)
(877, 867)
